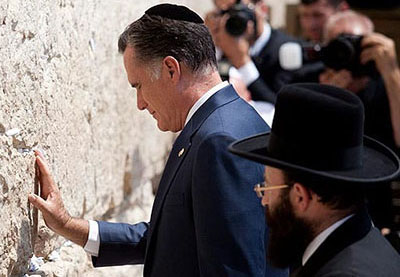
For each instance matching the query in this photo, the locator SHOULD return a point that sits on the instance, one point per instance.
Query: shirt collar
(204, 98)
(261, 41)
(318, 240)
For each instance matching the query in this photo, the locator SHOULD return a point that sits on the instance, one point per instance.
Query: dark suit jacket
(272, 75)
(206, 219)
(354, 249)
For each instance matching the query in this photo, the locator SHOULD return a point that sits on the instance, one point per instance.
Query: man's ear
(301, 197)
(171, 68)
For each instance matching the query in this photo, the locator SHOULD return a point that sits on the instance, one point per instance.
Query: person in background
(205, 221)
(313, 14)
(380, 92)
(253, 53)
(315, 177)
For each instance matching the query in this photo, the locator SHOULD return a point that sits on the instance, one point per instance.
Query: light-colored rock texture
(63, 86)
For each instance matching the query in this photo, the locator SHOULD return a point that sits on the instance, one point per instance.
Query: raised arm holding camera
(371, 71)
(381, 50)
(240, 30)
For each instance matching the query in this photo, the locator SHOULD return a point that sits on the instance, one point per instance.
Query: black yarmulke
(175, 12)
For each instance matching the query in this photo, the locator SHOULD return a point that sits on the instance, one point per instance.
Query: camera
(343, 52)
(239, 15)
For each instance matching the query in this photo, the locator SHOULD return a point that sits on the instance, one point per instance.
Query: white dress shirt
(204, 98)
(93, 243)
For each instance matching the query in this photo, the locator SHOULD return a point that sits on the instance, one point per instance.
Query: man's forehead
(321, 5)
(129, 54)
(131, 62)
(345, 27)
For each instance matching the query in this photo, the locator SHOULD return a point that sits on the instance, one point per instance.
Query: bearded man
(319, 163)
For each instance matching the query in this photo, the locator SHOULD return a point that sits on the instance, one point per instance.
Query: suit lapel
(178, 155)
(348, 233)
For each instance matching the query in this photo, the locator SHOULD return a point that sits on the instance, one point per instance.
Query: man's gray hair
(154, 38)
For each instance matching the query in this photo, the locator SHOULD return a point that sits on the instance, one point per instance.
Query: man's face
(153, 94)
(313, 18)
(288, 234)
(224, 4)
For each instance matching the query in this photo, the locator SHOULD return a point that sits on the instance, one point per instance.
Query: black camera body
(239, 16)
(344, 52)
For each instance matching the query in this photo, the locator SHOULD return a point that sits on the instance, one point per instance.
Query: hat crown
(318, 131)
(318, 126)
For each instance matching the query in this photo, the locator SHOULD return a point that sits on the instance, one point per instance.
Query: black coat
(272, 75)
(356, 248)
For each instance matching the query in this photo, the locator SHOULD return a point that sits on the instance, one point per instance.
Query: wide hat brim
(379, 163)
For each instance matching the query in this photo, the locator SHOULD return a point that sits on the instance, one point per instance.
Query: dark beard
(288, 235)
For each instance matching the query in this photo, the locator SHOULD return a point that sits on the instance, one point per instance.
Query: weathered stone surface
(62, 84)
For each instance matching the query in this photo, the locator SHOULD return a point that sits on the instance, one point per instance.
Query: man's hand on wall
(49, 203)
(52, 207)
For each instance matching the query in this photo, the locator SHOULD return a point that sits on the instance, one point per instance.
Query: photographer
(379, 92)
(254, 53)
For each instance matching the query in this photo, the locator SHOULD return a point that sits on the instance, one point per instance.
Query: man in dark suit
(205, 221)
(319, 163)
(255, 53)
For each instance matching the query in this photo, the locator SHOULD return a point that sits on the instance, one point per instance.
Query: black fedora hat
(318, 130)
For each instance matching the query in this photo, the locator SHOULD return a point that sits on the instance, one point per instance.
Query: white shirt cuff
(93, 243)
(249, 73)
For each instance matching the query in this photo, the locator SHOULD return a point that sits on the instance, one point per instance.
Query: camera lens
(340, 53)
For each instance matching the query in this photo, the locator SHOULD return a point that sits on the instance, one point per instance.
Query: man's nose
(141, 103)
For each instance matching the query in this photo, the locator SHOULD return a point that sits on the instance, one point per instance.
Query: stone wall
(63, 89)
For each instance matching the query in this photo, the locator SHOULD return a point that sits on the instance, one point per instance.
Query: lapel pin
(181, 152)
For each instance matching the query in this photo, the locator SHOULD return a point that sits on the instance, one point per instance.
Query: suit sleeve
(228, 217)
(121, 244)
(260, 91)
(266, 90)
